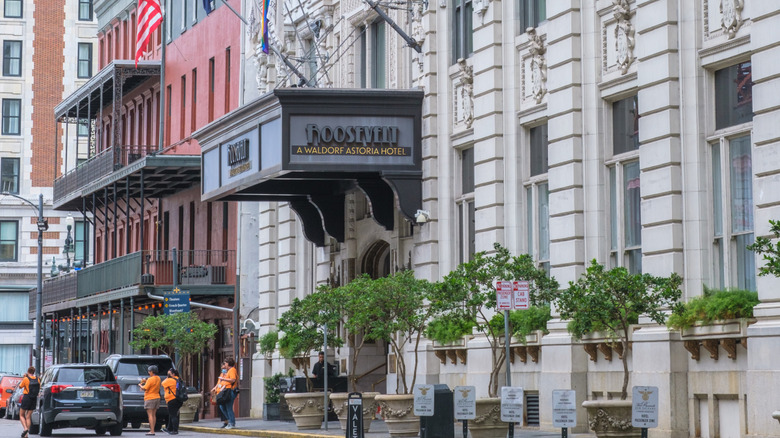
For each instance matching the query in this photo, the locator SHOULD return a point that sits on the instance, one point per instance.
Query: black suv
(78, 395)
(129, 369)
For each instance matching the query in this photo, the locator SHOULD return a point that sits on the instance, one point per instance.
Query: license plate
(86, 394)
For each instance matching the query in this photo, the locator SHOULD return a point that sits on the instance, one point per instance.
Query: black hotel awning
(310, 147)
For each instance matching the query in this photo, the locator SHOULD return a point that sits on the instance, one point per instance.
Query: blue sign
(177, 301)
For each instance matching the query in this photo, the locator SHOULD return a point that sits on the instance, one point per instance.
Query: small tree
(770, 252)
(267, 342)
(302, 325)
(465, 301)
(612, 300)
(182, 332)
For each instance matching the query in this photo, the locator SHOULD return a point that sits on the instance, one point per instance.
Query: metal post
(110, 329)
(325, 386)
(122, 325)
(507, 339)
(39, 292)
(90, 346)
(132, 323)
(175, 269)
(72, 341)
(78, 339)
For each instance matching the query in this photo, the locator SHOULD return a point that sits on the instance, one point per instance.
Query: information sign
(355, 415)
(564, 408)
(465, 402)
(644, 406)
(504, 295)
(423, 400)
(520, 291)
(177, 301)
(512, 404)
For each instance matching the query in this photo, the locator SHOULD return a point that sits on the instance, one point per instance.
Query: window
(9, 175)
(732, 180)
(624, 187)
(12, 58)
(183, 15)
(13, 8)
(85, 60)
(378, 55)
(15, 307)
(211, 89)
(168, 96)
(466, 210)
(9, 238)
(228, 80)
(537, 199)
(183, 111)
(363, 57)
(85, 10)
(462, 40)
(532, 12)
(83, 128)
(194, 103)
(12, 116)
(194, 9)
(79, 240)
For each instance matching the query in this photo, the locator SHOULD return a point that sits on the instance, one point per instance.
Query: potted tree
(273, 386)
(402, 299)
(611, 301)
(465, 303)
(302, 326)
(182, 332)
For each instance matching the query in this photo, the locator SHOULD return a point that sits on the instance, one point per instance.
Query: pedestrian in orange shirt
(31, 386)
(229, 379)
(151, 387)
(169, 387)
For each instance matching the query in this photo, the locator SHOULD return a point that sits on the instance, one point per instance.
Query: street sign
(177, 301)
(465, 402)
(564, 408)
(355, 415)
(644, 406)
(512, 404)
(521, 291)
(423, 400)
(504, 295)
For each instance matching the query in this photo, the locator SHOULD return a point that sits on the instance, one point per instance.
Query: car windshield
(139, 367)
(85, 375)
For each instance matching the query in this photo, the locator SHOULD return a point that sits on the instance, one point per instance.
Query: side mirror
(9, 390)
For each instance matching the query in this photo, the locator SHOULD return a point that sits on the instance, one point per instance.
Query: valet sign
(512, 295)
(423, 400)
(644, 406)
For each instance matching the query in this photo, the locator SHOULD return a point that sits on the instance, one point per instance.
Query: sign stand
(564, 432)
(354, 415)
(644, 432)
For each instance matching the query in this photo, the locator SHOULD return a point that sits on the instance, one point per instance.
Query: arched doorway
(376, 260)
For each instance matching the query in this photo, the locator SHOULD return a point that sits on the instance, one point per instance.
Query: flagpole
(164, 25)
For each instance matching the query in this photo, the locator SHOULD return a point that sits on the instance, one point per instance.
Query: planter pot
(611, 418)
(271, 412)
(397, 411)
(488, 423)
(776, 415)
(339, 400)
(190, 409)
(306, 409)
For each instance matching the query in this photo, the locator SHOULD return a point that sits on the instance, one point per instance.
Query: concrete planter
(611, 418)
(339, 400)
(488, 423)
(397, 411)
(190, 409)
(306, 409)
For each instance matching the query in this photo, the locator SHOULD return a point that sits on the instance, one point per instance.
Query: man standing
(151, 387)
(318, 371)
(229, 379)
(31, 387)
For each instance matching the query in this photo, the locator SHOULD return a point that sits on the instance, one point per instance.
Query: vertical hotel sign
(240, 156)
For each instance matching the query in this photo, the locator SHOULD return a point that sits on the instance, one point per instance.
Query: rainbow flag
(264, 24)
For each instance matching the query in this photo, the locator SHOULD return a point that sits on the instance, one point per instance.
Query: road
(13, 428)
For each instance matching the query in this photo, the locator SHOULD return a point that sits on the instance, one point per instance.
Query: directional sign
(423, 400)
(355, 415)
(644, 406)
(512, 404)
(564, 408)
(465, 402)
(504, 295)
(177, 301)
(520, 292)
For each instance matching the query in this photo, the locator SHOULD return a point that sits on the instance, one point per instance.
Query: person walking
(169, 386)
(151, 387)
(229, 379)
(31, 386)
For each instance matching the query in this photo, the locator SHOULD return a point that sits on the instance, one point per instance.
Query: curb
(249, 432)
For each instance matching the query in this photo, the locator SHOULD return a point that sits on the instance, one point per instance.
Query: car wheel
(45, 428)
(136, 425)
(100, 430)
(116, 430)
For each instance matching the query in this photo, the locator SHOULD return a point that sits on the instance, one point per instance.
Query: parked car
(8, 382)
(12, 406)
(129, 369)
(78, 395)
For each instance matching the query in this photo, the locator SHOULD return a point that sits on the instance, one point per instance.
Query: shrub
(267, 342)
(525, 322)
(273, 388)
(712, 306)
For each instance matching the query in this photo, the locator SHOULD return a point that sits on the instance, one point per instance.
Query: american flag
(149, 19)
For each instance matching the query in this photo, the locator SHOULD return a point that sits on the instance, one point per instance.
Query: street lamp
(43, 225)
(69, 246)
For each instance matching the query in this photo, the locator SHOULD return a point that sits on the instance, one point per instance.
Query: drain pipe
(193, 303)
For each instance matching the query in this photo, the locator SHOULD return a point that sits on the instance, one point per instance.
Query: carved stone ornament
(603, 421)
(481, 7)
(624, 34)
(464, 94)
(538, 65)
(731, 16)
(418, 33)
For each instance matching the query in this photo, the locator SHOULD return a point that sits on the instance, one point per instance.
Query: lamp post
(43, 225)
(69, 246)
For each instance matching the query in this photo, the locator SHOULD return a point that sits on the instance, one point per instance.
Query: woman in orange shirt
(151, 387)
(229, 380)
(31, 386)
(169, 386)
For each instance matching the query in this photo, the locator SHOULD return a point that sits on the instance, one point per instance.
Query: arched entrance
(376, 260)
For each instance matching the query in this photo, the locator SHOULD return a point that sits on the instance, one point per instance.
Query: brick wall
(47, 88)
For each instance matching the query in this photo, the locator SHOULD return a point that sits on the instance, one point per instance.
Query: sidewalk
(284, 429)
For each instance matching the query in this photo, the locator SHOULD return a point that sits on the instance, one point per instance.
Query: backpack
(181, 391)
(33, 387)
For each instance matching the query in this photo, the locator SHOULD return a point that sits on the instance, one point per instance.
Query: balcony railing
(150, 268)
(97, 167)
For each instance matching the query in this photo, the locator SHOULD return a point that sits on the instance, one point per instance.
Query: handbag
(223, 396)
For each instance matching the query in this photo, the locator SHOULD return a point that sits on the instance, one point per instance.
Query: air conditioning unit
(194, 275)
